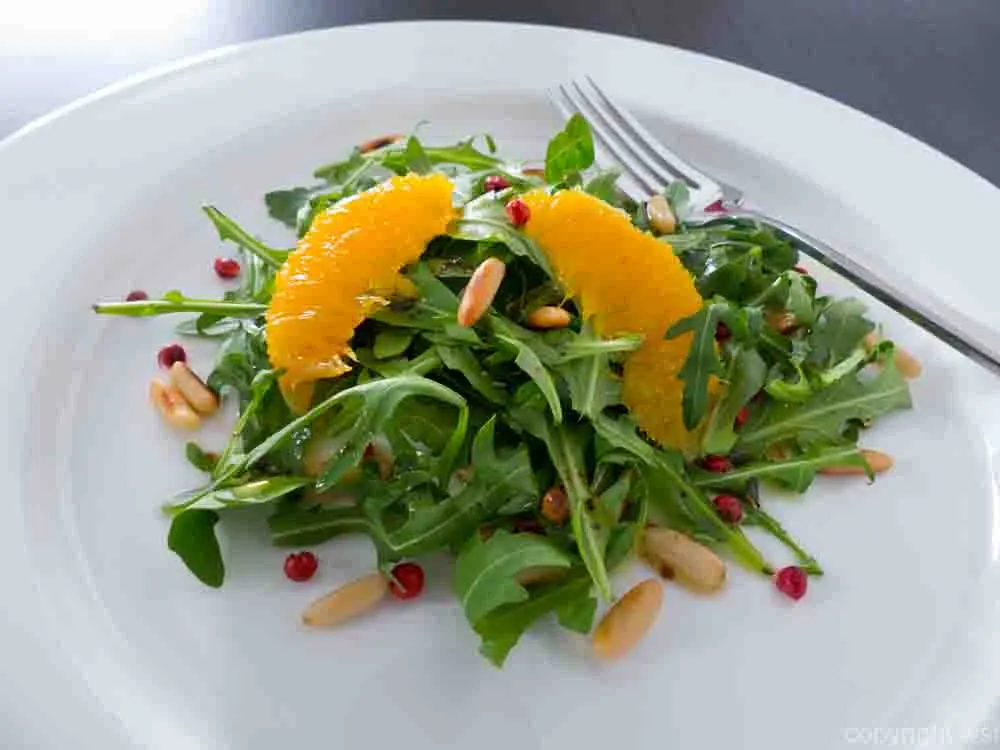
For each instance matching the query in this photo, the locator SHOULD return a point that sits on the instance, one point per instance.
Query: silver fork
(649, 167)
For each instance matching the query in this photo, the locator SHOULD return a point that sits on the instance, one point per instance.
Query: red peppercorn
(722, 333)
(496, 182)
(301, 566)
(742, 416)
(729, 508)
(518, 212)
(792, 582)
(136, 296)
(170, 354)
(227, 268)
(409, 581)
(716, 464)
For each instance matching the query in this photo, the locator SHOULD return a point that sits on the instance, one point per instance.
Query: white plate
(104, 629)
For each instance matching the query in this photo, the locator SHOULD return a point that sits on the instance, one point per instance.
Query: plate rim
(158, 75)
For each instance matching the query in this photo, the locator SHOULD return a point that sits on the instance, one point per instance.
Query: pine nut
(549, 317)
(377, 143)
(349, 601)
(317, 453)
(878, 461)
(384, 459)
(908, 365)
(678, 557)
(540, 574)
(631, 617)
(661, 216)
(193, 388)
(781, 320)
(555, 505)
(173, 407)
(480, 291)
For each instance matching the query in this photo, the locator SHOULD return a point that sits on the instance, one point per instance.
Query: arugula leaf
(486, 571)
(192, 538)
(747, 371)
(799, 301)
(391, 343)
(284, 205)
(570, 151)
(825, 415)
(577, 614)
(463, 154)
(485, 219)
(566, 450)
(755, 516)
(621, 542)
(679, 198)
(593, 386)
(420, 427)
(463, 361)
(255, 491)
(795, 473)
(502, 628)
(838, 333)
(416, 158)
(230, 230)
(529, 361)
(346, 171)
(175, 302)
(787, 391)
(199, 458)
(428, 525)
(672, 494)
(380, 399)
(605, 186)
(702, 360)
(611, 502)
(306, 527)
(497, 478)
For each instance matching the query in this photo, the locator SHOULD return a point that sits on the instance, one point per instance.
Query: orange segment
(342, 267)
(626, 282)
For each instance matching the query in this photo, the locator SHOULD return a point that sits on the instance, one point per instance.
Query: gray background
(929, 67)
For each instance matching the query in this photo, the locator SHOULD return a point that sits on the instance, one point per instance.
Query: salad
(526, 370)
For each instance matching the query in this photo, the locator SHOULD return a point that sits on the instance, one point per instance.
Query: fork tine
(651, 184)
(626, 141)
(650, 145)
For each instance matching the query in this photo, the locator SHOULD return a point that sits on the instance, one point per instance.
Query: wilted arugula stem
(151, 307)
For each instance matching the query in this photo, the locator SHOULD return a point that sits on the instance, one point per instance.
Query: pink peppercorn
(170, 354)
(716, 464)
(792, 582)
(495, 183)
(729, 508)
(518, 212)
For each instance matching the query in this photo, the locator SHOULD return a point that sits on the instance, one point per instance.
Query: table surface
(926, 66)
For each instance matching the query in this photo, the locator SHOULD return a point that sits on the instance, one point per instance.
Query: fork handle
(959, 331)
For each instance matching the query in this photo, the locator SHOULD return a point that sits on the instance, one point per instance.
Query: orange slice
(342, 269)
(626, 282)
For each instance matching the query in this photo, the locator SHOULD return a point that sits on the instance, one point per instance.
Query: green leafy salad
(483, 410)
